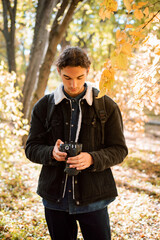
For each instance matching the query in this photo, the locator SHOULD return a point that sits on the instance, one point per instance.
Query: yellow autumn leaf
(108, 73)
(119, 61)
(118, 32)
(145, 40)
(157, 51)
(151, 15)
(107, 64)
(102, 14)
(108, 7)
(149, 20)
(146, 11)
(107, 14)
(138, 14)
(141, 4)
(129, 26)
(109, 84)
(127, 5)
(111, 5)
(127, 49)
(138, 33)
(121, 37)
(122, 61)
(114, 6)
(101, 93)
(135, 7)
(107, 78)
(136, 45)
(140, 26)
(101, 82)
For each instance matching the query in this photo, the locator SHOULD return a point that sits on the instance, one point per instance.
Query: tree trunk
(39, 46)
(56, 35)
(9, 32)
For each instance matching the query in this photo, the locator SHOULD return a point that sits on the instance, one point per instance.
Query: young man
(65, 116)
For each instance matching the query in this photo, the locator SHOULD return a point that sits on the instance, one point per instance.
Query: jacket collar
(59, 94)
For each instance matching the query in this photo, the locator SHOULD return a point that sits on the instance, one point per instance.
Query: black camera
(72, 149)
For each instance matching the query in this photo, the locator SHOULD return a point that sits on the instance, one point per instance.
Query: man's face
(73, 79)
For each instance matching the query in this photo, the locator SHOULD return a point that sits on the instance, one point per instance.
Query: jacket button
(67, 123)
(77, 202)
(58, 200)
(75, 181)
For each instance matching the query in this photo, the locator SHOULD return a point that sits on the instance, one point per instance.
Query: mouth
(73, 89)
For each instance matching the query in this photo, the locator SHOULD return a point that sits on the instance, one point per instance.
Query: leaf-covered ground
(135, 214)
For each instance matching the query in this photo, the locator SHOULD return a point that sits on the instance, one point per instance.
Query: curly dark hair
(73, 57)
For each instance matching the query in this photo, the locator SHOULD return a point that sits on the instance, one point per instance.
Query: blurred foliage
(133, 215)
(12, 124)
(25, 20)
(88, 31)
(18, 217)
(137, 24)
(114, 42)
(138, 88)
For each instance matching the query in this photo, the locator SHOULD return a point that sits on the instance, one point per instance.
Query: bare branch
(9, 8)
(151, 19)
(5, 19)
(60, 13)
(68, 16)
(80, 6)
(153, 4)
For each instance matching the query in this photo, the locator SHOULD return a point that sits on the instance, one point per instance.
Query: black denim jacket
(92, 184)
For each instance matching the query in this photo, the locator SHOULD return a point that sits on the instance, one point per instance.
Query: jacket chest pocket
(90, 133)
(55, 131)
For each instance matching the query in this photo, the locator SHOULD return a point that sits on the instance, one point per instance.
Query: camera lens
(66, 147)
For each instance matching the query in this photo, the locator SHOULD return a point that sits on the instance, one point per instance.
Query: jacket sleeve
(36, 149)
(115, 149)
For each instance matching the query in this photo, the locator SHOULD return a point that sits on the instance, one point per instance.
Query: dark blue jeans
(63, 226)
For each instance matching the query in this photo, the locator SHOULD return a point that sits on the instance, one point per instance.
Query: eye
(67, 78)
(81, 77)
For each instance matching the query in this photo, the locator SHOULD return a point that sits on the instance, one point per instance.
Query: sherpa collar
(59, 94)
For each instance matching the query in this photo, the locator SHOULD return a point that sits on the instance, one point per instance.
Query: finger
(74, 161)
(82, 167)
(59, 142)
(77, 165)
(72, 158)
(77, 157)
(59, 156)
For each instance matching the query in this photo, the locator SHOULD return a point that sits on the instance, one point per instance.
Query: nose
(74, 83)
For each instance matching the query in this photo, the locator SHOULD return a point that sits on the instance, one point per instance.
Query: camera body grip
(72, 149)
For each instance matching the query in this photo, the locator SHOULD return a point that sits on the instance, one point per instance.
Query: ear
(59, 71)
(88, 70)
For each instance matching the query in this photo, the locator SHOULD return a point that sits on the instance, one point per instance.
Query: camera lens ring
(66, 147)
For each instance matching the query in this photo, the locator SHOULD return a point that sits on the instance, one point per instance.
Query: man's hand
(81, 161)
(59, 156)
